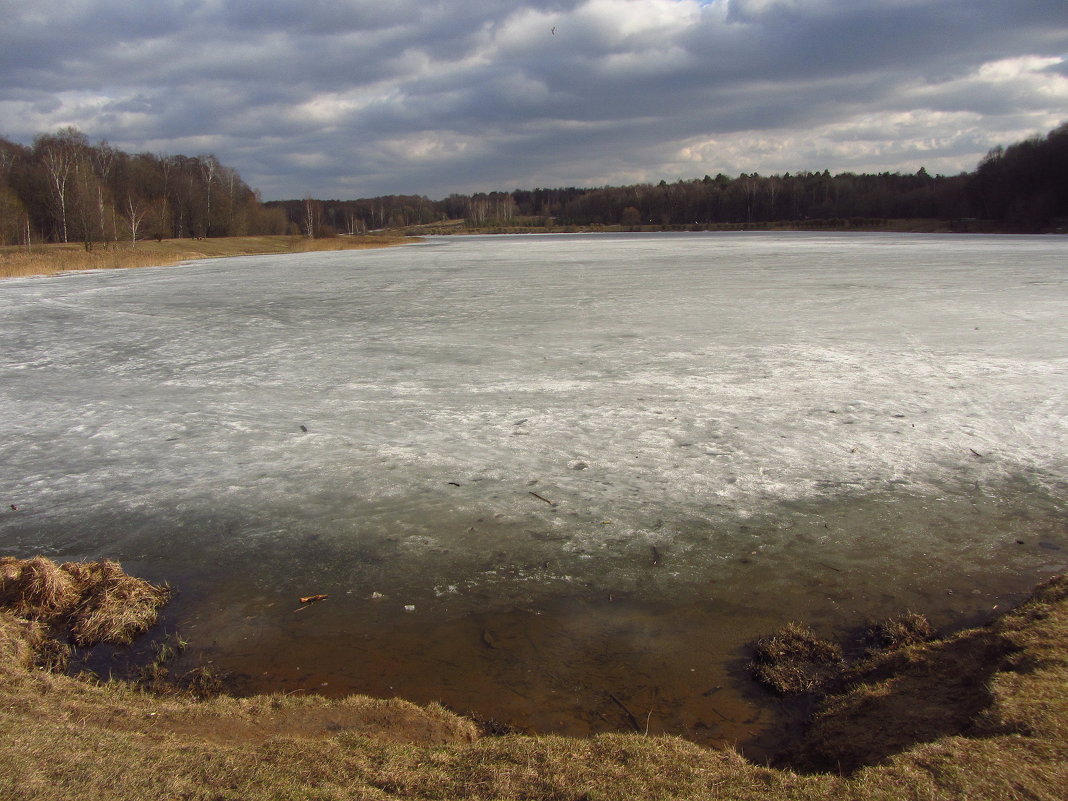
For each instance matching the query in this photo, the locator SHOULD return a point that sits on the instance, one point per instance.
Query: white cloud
(620, 21)
(431, 146)
(942, 142)
(754, 9)
(1008, 69)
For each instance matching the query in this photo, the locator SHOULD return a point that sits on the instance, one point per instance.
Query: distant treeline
(65, 189)
(1020, 188)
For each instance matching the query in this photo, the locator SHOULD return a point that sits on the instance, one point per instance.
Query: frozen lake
(592, 464)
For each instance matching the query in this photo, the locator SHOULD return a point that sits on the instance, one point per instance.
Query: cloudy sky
(354, 98)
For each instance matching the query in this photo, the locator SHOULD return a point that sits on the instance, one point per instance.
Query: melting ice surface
(739, 427)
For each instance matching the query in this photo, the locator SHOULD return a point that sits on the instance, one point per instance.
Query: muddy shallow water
(664, 654)
(558, 481)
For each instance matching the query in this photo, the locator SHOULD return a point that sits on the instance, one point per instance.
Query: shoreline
(857, 225)
(48, 259)
(56, 259)
(898, 724)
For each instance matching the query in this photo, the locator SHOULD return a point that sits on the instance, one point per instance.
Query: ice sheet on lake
(409, 406)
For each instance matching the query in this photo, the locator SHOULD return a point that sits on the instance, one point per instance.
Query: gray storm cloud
(346, 99)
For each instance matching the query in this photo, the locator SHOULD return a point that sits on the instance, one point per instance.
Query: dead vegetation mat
(65, 738)
(85, 602)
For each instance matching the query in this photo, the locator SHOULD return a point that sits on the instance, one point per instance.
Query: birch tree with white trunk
(135, 216)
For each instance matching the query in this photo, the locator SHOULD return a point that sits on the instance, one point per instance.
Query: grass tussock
(794, 660)
(35, 587)
(91, 601)
(112, 606)
(897, 632)
(63, 738)
(51, 259)
(27, 644)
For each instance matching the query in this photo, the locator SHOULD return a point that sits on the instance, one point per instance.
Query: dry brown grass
(59, 258)
(28, 644)
(36, 587)
(93, 601)
(61, 738)
(897, 632)
(901, 698)
(112, 606)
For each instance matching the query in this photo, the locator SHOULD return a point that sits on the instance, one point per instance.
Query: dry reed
(52, 259)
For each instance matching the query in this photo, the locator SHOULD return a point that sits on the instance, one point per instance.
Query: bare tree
(166, 168)
(232, 181)
(59, 162)
(86, 188)
(312, 217)
(750, 183)
(209, 169)
(135, 215)
(11, 208)
(103, 158)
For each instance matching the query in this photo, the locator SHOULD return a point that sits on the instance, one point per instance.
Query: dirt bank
(982, 714)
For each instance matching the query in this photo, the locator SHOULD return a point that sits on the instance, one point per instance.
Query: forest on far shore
(1021, 188)
(66, 189)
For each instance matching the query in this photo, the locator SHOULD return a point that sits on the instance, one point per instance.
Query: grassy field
(58, 258)
(982, 714)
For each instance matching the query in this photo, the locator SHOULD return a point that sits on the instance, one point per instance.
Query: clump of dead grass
(35, 588)
(794, 660)
(1004, 680)
(896, 632)
(92, 602)
(26, 644)
(891, 702)
(113, 606)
